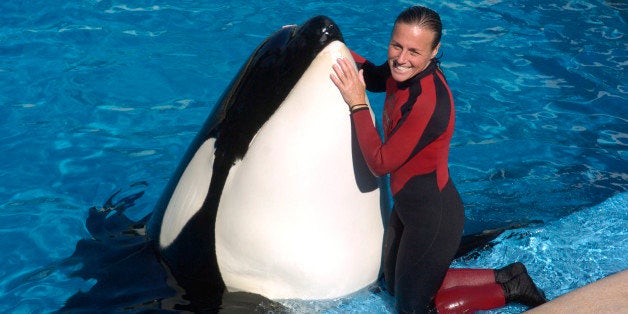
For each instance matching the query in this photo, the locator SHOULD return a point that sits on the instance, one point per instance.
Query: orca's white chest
(292, 222)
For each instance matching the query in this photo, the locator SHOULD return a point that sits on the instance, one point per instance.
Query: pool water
(98, 94)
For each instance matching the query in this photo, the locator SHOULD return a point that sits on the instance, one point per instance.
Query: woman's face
(410, 51)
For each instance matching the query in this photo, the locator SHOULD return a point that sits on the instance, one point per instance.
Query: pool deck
(607, 295)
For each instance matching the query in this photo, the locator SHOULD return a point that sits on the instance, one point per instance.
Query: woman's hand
(350, 82)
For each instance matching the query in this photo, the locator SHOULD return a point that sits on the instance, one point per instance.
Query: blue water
(98, 94)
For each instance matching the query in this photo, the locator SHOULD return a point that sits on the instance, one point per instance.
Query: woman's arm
(411, 134)
(374, 76)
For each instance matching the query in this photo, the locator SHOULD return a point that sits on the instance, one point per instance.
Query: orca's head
(293, 47)
(315, 34)
(267, 78)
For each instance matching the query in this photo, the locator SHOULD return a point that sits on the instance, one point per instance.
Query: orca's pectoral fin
(483, 240)
(477, 241)
(109, 220)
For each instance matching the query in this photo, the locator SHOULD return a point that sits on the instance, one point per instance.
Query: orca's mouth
(331, 33)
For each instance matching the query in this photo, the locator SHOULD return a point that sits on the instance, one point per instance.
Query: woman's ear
(435, 51)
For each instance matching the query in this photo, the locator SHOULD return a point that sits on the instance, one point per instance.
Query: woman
(426, 225)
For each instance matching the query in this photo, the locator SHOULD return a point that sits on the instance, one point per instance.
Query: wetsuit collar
(429, 70)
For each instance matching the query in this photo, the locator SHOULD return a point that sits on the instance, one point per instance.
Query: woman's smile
(410, 51)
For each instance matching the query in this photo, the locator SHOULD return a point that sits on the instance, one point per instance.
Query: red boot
(469, 299)
(469, 290)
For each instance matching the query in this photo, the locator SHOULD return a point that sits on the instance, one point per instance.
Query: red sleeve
(383, 158)
(358, 58)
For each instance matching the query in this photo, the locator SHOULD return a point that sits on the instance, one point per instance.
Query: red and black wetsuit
(428, 217)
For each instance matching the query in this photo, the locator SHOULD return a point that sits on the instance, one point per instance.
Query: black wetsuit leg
(391, 247)
(428, 234)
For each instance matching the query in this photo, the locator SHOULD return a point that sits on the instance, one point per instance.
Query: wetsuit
(426, 225)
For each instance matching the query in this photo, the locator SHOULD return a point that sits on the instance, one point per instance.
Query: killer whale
(133, 262)
(271, 196)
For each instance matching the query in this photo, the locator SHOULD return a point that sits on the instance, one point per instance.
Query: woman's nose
(401, 58)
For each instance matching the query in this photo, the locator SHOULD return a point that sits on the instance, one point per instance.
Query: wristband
(355, 108)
